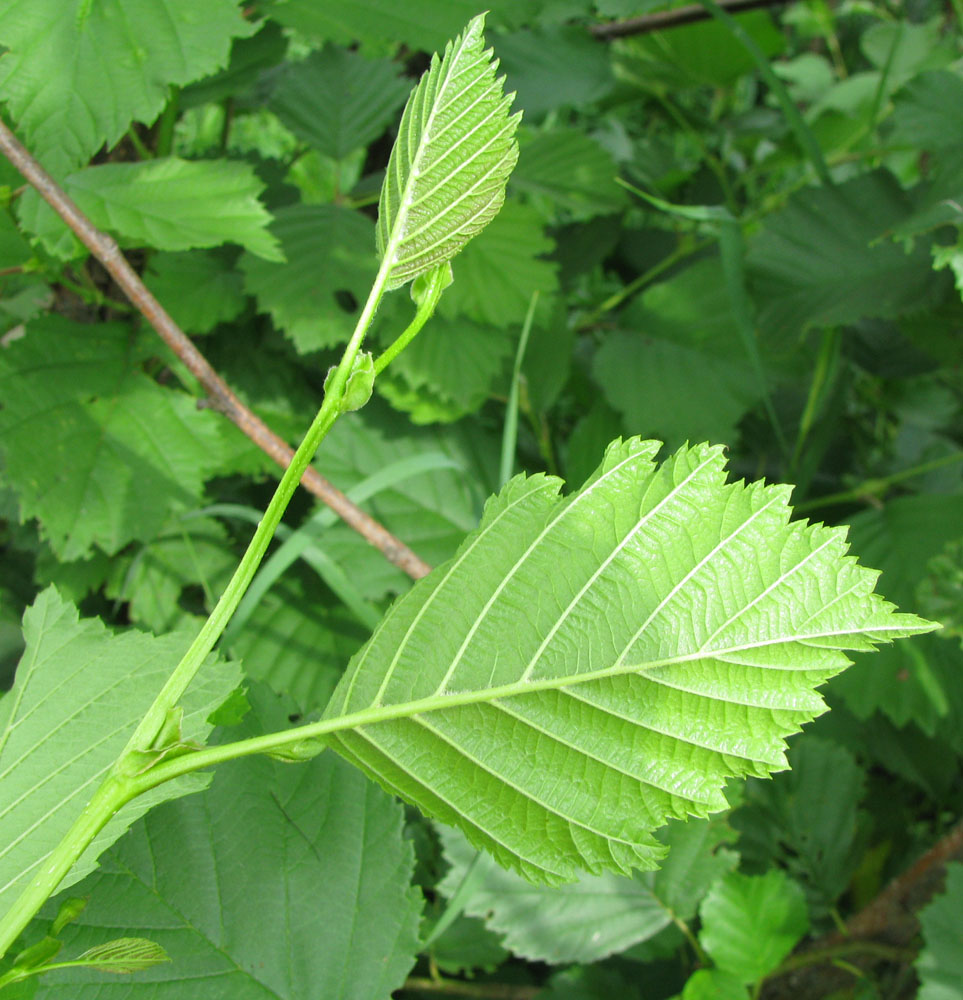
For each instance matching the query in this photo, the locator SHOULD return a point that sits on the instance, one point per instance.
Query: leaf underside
(588, 667)
(449, 165)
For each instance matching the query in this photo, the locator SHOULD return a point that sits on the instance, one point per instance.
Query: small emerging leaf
(125, 955)
(450, 163)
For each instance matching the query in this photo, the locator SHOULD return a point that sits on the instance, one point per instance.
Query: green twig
(874, 487)
(685, 249)
(822, 376)
(437, 281)
(166, 122)
(510, 431)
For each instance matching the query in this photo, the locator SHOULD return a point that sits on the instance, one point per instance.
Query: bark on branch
(659, 21)
(221, 397)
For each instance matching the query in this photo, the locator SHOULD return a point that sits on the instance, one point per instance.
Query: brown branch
(646, 23)
(889, 919)
(460, 988)
(222, 398)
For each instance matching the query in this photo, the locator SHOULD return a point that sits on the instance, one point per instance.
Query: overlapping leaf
(76, 75)
(79, 693)
(940, 966)
(119, 453)
(450, 163)
(586, 668)
(600, 914)
(281, 883)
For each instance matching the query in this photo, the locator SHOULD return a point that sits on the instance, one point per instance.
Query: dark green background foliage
(792, 289)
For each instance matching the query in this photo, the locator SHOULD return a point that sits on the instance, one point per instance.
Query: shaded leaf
(940, 965)
(321, 852)
(600, 914)
(805, 820)
(497, 272)
(338, 100)
(120, 452)
(568, 169)
(447, 370)
(315, 298)
(674, 630)
(79, 693)
(679, 369)
(216, 290)
(824, 258)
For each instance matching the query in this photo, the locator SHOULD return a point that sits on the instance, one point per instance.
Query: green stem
(804, 136)
(165, 126)
(873, 487)
(123, 781)
(685, 249)
(510, 431)
(819, 956)
(822, 375)
(113, 793)
(438, 281)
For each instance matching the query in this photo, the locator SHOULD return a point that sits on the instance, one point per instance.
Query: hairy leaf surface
(450, 163)
(78, 695)
(588, 667)
(940, 965)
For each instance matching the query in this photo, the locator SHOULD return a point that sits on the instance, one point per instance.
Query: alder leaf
(586, 668)
(279, 883)
(78, 695)
(450, 163)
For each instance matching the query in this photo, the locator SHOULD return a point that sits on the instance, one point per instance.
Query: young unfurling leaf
(450, 163)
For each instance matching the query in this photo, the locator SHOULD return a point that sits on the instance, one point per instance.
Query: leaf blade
(587, 668)
(448, 168)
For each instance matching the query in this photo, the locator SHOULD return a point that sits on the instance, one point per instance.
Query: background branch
(221, 396)
(663, 19)
(890, 919)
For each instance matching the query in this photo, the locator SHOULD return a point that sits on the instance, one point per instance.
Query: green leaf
(195, 552)
(928, 112)
(901, 537)
(567, 168)
(174, 204)
(449, 165)
(714, 984)
(751, 922)
(118, 452)
(599, 915)
(216, 292)
(420, 24)
(315, 297)
(78, 695)
(679, 370)
(497, 273)
(824, 258)
(297, 645)
(940, 965)
(432, 511)
(805, 820)
(312, 898)
(338, 100)
(467, 944)
(74, 78)
(531, 60)
(673, 632)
